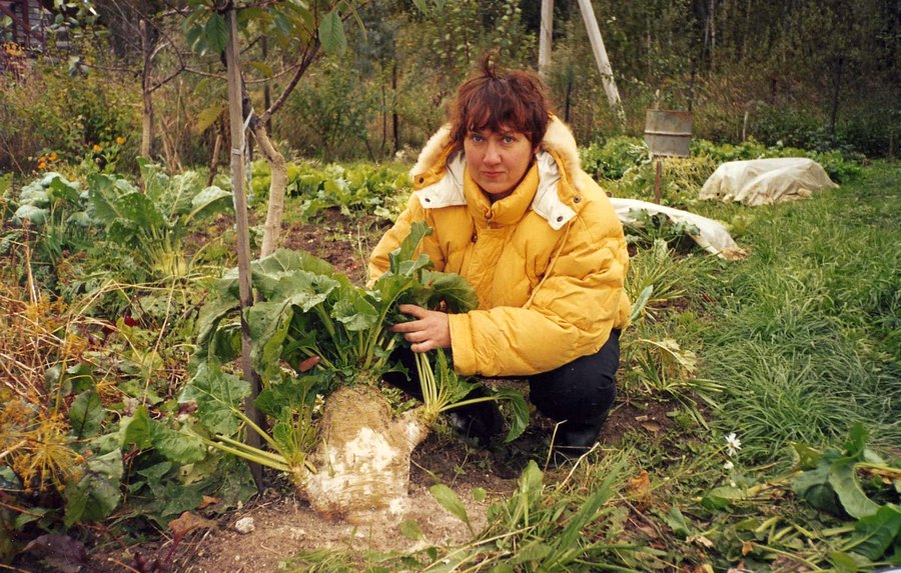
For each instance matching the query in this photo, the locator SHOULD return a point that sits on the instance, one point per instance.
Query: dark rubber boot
(574, 439)
(480, 421)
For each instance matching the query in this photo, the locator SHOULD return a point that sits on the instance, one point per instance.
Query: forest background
(802, 73)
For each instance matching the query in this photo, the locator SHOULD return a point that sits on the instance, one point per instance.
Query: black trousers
(581, 392)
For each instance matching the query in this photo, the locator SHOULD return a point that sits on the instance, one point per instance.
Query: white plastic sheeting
(712, 237)
(766, 181)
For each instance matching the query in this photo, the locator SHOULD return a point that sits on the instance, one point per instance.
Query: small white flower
(728, 465)
(733, 444)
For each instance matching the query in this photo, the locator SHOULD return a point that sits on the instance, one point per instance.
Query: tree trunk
(395, 120)
(278, 182)
(836, 91)
(146, 92)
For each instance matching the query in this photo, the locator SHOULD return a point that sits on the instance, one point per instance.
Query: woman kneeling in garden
(536, 237)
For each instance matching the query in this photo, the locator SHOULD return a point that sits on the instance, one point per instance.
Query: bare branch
(307, 58)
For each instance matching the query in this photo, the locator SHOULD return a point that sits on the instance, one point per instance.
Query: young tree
(302, 30)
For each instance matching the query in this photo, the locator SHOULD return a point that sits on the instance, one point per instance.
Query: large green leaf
(843, 479)
(875, 534)
(34, 215)
(155, 178)
(331, 33)
(130, 217)
(813, 485)
(86, 414)
(179, 447)
(291, 393)
(215, 33)
(209, 202)
(218, 396)
(520, 411)
(97, 493)
(403, 255)
(136, 429)
(301, 288)
(61, 189)
(356, 313)
(215, 309)
(268, 323)
(103, 194)
(450, 288)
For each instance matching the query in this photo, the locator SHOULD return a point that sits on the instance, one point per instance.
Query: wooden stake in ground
(545, 37)
(603, 62)
(236, 120)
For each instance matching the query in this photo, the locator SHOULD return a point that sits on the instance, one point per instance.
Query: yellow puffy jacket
(547, 262)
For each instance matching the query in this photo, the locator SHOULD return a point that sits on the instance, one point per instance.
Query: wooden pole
(546, 36)
(657, 179)
(236, 118)
(603, 62)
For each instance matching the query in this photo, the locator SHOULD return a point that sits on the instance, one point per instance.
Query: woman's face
(497, 161)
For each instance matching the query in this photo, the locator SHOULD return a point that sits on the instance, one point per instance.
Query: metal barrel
(668, 133)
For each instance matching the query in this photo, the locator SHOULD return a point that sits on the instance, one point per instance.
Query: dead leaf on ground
(700, 540)
(640, 485)
(746, 547)
(208, 501)
(188, 522)
(651, 426)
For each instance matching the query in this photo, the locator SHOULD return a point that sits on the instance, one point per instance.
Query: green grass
(805, 336)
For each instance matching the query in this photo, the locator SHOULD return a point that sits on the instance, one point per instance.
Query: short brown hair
(494, 99)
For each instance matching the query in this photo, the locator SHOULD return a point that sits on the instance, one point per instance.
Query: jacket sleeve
(570, 313)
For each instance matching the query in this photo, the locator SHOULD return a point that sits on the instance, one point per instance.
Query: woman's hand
(430, 330)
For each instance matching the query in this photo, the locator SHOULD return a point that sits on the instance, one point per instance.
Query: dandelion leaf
(450, 501)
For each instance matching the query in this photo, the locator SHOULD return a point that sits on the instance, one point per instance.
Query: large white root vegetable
(363, 460)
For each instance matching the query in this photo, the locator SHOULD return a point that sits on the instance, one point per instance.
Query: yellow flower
(42, 165)
(120, 140)
(53, 156)
(97, 148)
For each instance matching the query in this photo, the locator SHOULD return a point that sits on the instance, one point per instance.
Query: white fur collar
(448, 190)
(558, 139)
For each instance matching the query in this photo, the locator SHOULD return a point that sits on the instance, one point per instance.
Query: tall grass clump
(806, 337)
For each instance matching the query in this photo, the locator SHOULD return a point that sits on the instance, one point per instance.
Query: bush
(54, 112)
(612, 158)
